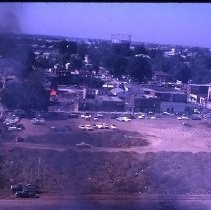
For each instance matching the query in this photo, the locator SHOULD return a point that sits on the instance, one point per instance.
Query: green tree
(139, 68)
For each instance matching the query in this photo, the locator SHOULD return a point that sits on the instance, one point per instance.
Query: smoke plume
(10, 18)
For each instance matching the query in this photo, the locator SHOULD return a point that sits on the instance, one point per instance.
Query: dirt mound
(70, 172)
(115, 139)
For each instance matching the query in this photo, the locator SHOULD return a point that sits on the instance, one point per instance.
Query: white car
(88, 127)
(123, 119)
(113, 126)
(196, 111)
(166, 113)
(82, 127)
(141, 117)
(183, 118)
(83, 145)
(38, 121)
(11, 121)
(86, 116)
(99, 125)
(106, 126)
(14, 128)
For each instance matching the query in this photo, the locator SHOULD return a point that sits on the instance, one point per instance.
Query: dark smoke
(10, 18)
(9, 23)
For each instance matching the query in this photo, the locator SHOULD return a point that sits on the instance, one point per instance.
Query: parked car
(82, 127)
(150, 113)
(19, 139)
(88, 127)
(53, 128)
(31, 187)
(196, 111)
(72, 115)
(129, 116)
(99, 116)
(141, 116)
(187, 124)
(99, 126)
(21, 126)
(166, 113)
(26, 194)
(37, 121)
(83, 145)
(17, 187)
(123, 119)
(86, 116)
(106, 126)
(9, 121)
(182, 118)
(10, 124)
(113, 126)
(13, 128)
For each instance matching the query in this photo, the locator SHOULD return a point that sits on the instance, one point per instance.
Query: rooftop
(109, 98)
(205, 85)
(161, 73)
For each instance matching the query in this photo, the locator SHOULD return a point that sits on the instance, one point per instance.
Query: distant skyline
(163, 23)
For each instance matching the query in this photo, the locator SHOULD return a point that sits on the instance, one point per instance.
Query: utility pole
(38, 172)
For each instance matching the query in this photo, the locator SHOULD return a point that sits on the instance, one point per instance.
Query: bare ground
(150, 156)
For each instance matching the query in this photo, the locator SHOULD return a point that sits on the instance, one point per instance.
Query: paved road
(44, 204)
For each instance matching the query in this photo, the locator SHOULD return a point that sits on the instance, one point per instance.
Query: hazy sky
(173, 23)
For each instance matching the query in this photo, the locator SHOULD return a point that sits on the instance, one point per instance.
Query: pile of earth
(115, 139)
(70, 172)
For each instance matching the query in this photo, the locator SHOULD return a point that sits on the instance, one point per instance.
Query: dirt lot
(142, 156)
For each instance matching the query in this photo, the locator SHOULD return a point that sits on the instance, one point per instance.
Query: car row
(97, 126)
(12, 123)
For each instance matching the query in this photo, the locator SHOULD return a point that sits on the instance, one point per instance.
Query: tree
(184, 74)
(66, 49)
(82, 50)
(140, 49)
(139, 68)
(119, 64)
(122, 49)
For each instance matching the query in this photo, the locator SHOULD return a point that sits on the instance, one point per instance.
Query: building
(160, 76)
(103, 103)
(66, 98)
(146, 104)
(110, 103)
(121, 39)
(198, 93)
(92, 93)
(117, 91)
(171, 101)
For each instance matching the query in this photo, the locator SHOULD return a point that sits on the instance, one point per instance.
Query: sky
(164, 23)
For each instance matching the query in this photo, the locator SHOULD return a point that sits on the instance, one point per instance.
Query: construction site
(141, 157)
